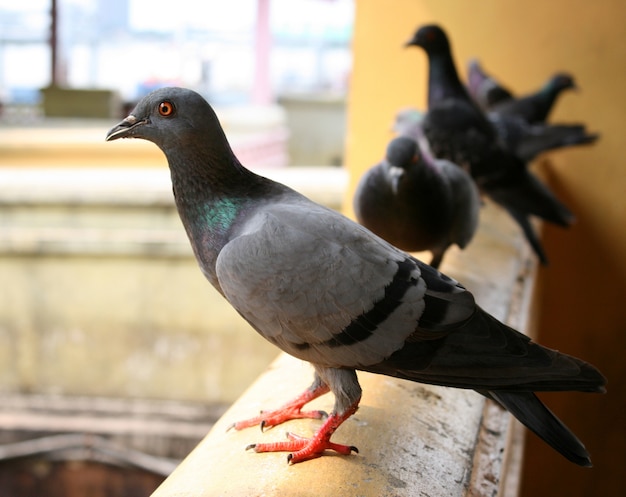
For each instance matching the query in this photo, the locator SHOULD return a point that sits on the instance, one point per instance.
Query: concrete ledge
(413, 439)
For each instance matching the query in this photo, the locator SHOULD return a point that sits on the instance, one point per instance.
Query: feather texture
(327, 290)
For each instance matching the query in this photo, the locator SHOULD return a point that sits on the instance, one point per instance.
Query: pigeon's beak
(396, 173)
(126, 128)
(413, 42)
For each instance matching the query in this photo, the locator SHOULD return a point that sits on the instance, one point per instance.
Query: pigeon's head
(561, 81)
(475, 73)
(168, 117)
(432, 38)
(402, 152)
(408, 122)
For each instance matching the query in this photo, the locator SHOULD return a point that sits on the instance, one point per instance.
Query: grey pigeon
(533, 108)
(416, 202)
(327, 290)
(458, 130)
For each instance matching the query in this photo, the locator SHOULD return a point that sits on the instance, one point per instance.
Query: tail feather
(543, 138)
(530, 234)
(528, 195)
(532, 413)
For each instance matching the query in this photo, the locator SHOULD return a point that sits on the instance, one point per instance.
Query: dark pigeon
(526, 141)
(327, 290)
(533, 108)
(484, 89)
(409, 123)
(416, 202)
(536, 107)
(458, 130)
(521, 122)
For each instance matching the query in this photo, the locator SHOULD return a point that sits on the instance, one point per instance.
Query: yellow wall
(580, 309)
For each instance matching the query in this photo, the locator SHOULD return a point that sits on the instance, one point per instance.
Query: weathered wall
(101, 295)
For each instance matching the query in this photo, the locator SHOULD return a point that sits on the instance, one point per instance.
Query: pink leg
(291, 410)
(302, 448)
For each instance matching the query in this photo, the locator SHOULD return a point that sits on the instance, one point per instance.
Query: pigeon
(408, 122)
(458, 130)
(526, 141)
(327, 290)
(533, 108)
(416, 202)
(484, 89)
(521, 122)
(517, 137)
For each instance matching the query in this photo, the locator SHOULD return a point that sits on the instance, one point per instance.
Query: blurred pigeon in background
(327, 290)
(416, 202)
(408, 122)
(484, 89)
(521, 121)
(533, 108)
(526, 141)
(458, 130)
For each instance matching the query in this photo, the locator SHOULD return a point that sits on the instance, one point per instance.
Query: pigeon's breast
(321, 287)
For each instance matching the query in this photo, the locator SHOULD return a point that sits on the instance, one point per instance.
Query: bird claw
(292, 410)
(269, 419)
(302, 448)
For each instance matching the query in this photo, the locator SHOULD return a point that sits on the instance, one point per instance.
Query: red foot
(291, 410)
(303, 449)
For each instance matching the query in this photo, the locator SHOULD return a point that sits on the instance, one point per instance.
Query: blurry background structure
(96, 58)
(131, 46)
(100, 297)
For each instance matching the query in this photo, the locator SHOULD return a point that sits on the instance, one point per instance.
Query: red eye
(166, 109)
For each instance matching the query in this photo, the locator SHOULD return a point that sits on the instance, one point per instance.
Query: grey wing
(320, 286)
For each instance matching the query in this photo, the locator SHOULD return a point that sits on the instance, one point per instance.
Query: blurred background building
(132, 46)
(94, 58)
